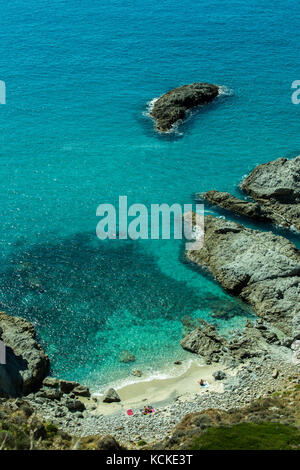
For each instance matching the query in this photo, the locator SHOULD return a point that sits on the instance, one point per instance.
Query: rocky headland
(26, 363)
(259, 267)
(173, 105)
(275, 190)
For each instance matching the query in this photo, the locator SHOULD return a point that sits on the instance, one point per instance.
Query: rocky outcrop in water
(276, 186)
(26, 363)
(172, 106)
(226, 201)
(259, 267)
(254, 341)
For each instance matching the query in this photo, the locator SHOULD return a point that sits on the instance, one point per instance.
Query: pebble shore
(254, 380)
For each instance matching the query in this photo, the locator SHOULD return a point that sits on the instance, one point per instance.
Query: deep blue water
(74, 134)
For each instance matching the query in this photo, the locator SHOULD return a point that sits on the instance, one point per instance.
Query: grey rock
(261, 268)
(276, 185)
(287, 342)
(295, 347)
(219, 375)
(109, 443)
(296, 327)
(82, 391)
(172, 106)
(137, 373)
(51, 382)
(111, 396)
(205, 342)
(67, 386)
(226, 201)
(26, 363)
(74, 405)
(50, 393)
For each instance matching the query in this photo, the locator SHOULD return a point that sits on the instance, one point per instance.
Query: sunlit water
(75, 133)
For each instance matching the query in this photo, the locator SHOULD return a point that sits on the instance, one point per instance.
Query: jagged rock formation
(207, 343)
(226, 201)
(172, 106)
(26, 363)
(275, 188)
(259, 267)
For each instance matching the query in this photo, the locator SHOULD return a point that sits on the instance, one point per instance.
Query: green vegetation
(142, 443)
(22, 429)
(249, 436)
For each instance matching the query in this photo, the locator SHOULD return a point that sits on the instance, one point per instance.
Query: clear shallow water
(74, 134)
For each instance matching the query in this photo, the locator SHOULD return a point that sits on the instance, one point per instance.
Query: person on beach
(147, 410)
(202, 383)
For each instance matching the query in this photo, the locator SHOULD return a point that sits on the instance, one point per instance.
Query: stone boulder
(219, 375)
(51, 382)
(109, 443)
(26, 363)
(205, 342)
(81, 391)
(172, 106)
(68, 386)
(111, 396)
(74, 404)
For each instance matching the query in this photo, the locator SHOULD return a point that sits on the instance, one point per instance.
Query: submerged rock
(276, 186)
(126, 356)
(172, 106)
(261, 268)
(26, 363)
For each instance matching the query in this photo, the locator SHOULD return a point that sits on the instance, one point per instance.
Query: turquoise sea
(74, 133)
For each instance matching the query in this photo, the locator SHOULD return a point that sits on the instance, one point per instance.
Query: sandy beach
(161, 392)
